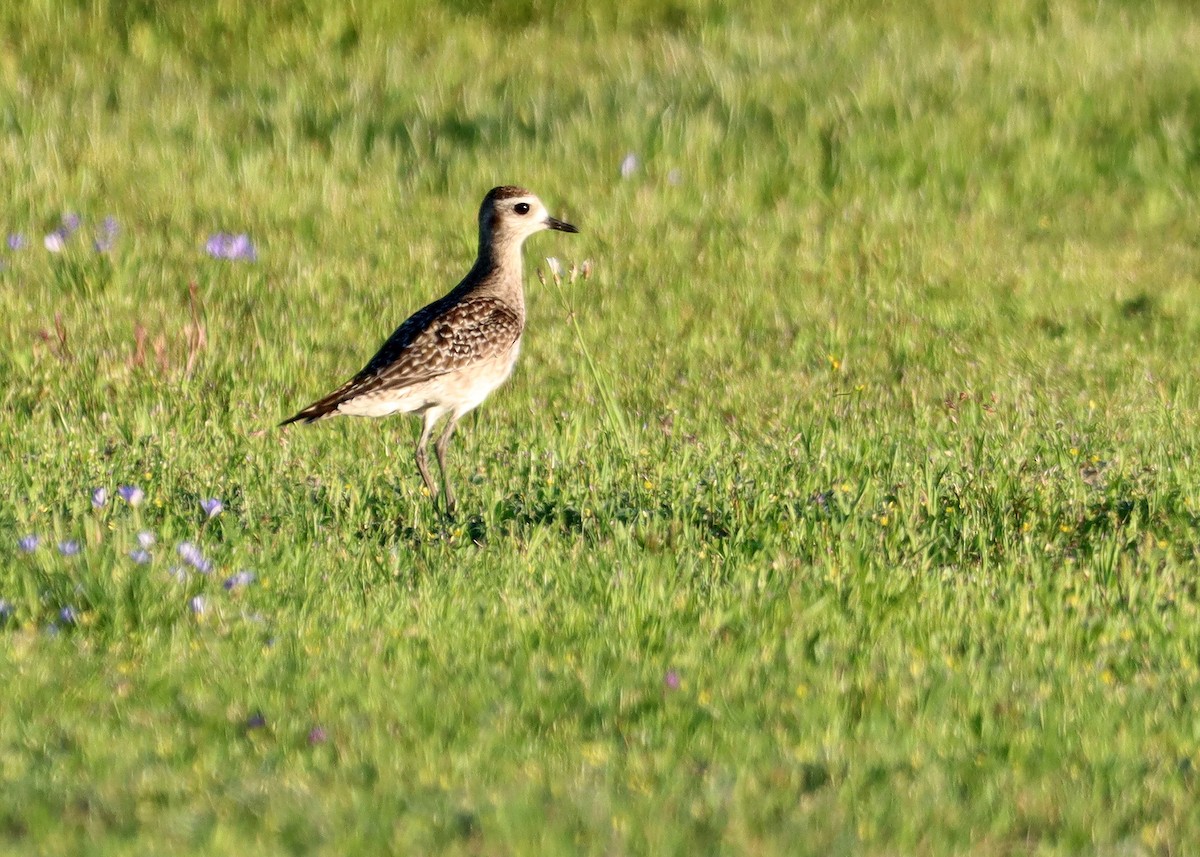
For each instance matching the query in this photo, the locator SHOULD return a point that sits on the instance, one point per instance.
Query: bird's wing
(434, 341)
(468, 331)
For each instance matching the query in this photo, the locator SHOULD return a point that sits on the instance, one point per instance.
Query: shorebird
(447, 357)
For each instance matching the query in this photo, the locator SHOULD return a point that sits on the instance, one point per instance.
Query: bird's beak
(561, 226)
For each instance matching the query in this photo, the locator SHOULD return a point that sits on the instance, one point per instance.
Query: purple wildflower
(317, 735)
(178, 573)
(68, 547)
(106, 235)
(140, 555)
(68, 616)
(242, 578)
(671, 680)
(17, 241)
(99, 497)
(146, 539)
(29, 543)
(629, 165)
(212, 507)
(256, 721)
(6, 610)
(198, 605)
(223, 245)
(191, 554)
(241, 248)
(132, 494)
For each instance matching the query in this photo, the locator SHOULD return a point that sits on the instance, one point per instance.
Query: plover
(447, 357)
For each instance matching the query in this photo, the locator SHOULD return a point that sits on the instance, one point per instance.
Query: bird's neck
(498, 273)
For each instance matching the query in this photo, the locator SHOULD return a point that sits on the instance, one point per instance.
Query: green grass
(908, 502)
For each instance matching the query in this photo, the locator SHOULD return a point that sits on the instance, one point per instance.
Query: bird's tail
(321, 408)
(328, 406)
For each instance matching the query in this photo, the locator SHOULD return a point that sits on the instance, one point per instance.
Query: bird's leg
(443, 441)
(422, 462)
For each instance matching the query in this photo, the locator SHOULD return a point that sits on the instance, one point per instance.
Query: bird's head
(509, 215)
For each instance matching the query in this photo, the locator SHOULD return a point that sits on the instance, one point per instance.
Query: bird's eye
(521, 208)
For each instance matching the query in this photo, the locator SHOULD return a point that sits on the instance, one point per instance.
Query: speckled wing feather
(435, 340)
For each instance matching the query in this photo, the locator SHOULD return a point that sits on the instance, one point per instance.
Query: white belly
(458, 392)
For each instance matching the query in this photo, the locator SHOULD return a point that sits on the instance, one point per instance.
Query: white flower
(629, 165)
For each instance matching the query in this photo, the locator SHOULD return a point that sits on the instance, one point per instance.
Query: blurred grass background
(899, 298)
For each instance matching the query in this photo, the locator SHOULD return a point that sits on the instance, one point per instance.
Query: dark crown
(505, 192)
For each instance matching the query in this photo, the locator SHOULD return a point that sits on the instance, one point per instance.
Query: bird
(447, 357)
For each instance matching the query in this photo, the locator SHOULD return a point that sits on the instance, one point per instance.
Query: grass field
(896, 553)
